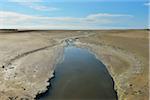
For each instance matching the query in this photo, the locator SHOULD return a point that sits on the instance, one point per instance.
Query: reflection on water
(80, 77)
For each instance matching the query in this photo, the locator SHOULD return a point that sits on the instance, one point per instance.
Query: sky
(74, 14)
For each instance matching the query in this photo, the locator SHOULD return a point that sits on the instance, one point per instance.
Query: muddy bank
(103, 57)
(124, 66)
(28, 76)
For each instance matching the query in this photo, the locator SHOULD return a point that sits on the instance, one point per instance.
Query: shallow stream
(80, 77)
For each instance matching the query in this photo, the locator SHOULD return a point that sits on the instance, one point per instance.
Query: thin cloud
(38, 7)
(17, 20)
(25, 1)
(108, 15)
(43, 8)
(147, 4)
(34, 4)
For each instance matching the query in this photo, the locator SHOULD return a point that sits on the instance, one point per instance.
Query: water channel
(80, 77)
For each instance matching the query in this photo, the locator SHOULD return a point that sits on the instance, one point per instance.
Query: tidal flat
(28, 59)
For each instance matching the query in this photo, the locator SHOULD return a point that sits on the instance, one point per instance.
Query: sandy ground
(28, 58)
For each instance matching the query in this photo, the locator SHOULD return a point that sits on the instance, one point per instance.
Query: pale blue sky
(69, 14)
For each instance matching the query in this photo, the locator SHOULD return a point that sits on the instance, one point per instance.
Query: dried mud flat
(28, 58)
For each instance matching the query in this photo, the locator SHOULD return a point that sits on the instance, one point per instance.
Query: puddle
(80, 77)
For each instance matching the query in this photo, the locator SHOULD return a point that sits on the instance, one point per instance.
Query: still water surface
(80, 77)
